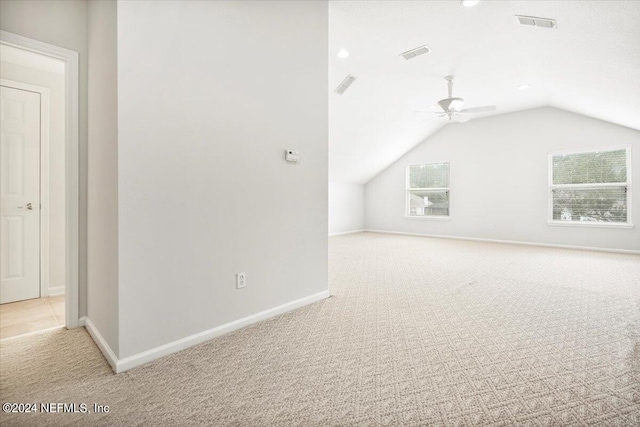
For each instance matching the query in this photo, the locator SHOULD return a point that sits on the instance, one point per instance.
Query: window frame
(407, 189)
(552, 186)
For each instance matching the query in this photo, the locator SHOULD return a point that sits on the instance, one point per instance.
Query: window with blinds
(590, 187)
(428, 190)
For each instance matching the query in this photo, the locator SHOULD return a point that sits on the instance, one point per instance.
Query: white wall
(210, 94)
(62, 23)
(102, 220)
(499, 177)
(346, 207)
(55, 82)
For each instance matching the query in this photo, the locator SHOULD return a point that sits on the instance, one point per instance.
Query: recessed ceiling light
(342, 53)
(469, 3)
(432, 107)
(523, 87)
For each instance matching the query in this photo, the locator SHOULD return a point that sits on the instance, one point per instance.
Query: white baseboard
(342, 233)
(510, 242)
(181, 344)
(56, 290)
(100, 342)
(121, 365)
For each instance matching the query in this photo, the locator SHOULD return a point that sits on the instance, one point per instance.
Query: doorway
(38, 187)
(31, 171)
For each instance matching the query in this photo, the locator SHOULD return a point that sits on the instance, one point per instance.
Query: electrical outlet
(241, 280)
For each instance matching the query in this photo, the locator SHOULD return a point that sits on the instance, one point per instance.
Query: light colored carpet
(419, 332)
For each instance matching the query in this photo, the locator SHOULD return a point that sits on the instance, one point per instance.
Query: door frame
(72, 162)
(45, 105)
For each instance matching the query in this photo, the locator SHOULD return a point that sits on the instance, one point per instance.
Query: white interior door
(20, 195)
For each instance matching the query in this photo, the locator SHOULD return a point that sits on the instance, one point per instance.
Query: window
(590, 187)
(428, 190)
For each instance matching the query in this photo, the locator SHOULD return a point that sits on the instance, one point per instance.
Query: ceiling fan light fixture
(451, 104)
(469, 3)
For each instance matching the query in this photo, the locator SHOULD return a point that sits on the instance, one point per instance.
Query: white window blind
(590, 187)
(428, 190)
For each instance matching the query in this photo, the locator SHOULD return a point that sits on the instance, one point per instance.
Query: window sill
(589, 224)
(429, 218)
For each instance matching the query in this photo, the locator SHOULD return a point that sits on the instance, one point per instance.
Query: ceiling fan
(452, 107)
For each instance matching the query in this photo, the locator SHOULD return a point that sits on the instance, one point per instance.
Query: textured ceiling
(589, 64)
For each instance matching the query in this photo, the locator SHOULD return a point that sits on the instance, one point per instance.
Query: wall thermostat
(291, 156)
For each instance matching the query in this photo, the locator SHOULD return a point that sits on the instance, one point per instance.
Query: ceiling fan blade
(428, 111)
(483, 109)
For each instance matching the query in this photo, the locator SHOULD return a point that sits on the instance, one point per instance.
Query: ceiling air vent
(537, 22)
(344, 85)
(416, 52)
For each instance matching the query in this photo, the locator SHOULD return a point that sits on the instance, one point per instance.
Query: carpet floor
(418, 332)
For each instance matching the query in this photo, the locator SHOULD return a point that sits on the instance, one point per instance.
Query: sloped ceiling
(589, 64)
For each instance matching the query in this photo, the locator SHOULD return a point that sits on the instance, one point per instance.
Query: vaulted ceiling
(589, 64)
